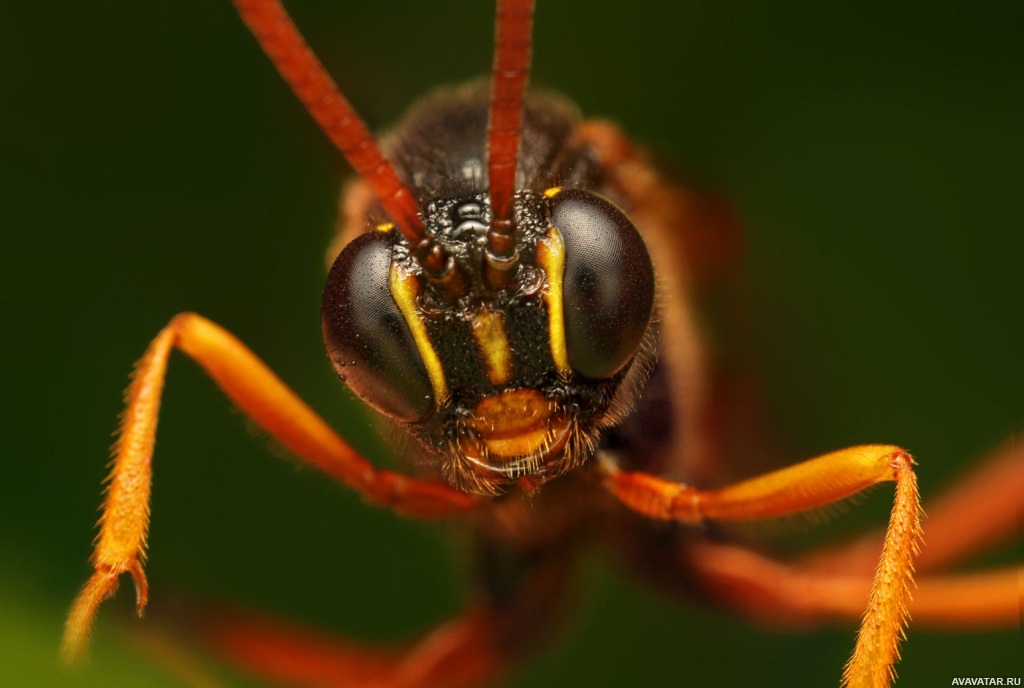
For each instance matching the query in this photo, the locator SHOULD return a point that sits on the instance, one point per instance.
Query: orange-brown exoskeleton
(511, 289)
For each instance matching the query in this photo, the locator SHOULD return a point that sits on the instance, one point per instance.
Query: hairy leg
(271, 404)
(977, 512)
(808, 485)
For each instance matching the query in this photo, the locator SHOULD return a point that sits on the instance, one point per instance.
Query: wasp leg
(807, 485)
(783, 593)
(460, 652)
(284, 652)
(522, 593)
(260, 394)
(977, 513)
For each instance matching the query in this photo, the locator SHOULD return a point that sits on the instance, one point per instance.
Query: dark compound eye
(367, 338)
(608, 288)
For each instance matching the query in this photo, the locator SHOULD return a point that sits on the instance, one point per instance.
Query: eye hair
(628, 393)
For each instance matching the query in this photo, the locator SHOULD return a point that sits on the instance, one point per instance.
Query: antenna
(512, 47)
(295, 61)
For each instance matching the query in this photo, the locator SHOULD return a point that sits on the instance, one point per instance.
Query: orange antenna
(513, 45)
(285, 47)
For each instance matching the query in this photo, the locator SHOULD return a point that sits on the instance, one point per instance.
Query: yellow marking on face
(512, 424)
(551, 258)
(386, 227)
(553, 191)
(404, 289)
(489, 330)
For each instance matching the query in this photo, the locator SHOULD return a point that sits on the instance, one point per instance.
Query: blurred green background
(151, 162)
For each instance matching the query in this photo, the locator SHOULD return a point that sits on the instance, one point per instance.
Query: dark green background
(152, 162)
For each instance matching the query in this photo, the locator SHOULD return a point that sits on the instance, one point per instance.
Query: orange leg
(462, 652)
(979, 512)
(518, 603)
(781, 593)
(257, 391)
(807, 485)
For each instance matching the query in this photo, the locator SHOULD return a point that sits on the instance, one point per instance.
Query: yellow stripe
(551, 257)
(553, 191)
(489, 330)
(386, 227)
(404, 288)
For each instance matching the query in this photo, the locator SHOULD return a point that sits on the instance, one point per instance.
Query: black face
(498, 385)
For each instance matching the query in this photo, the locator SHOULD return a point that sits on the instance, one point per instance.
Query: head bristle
(295, 61)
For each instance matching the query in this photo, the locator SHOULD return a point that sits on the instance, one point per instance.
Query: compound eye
(608, 288)
(367, 337)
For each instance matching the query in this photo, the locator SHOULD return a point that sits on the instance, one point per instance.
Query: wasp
(511, 292)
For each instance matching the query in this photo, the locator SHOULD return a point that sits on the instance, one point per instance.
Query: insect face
(503, 356)
(498, 385)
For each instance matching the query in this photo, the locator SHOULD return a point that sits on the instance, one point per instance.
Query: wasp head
(508, 384)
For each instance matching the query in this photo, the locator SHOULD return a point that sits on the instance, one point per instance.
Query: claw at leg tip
(141, 587)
